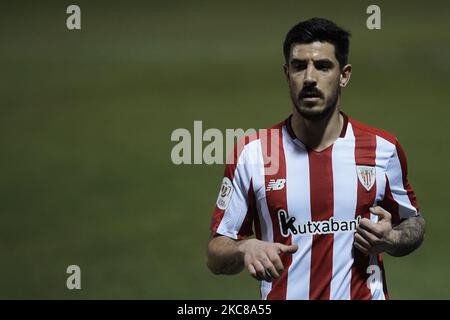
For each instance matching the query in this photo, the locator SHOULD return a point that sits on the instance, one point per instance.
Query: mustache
(310, 91)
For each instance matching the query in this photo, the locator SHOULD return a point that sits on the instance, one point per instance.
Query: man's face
(313, 74)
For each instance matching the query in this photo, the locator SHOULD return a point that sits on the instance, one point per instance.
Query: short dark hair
(319, 29)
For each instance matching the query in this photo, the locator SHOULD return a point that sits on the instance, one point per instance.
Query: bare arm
(261, 258)
(223, 256)
(398, 241)
(407, 236)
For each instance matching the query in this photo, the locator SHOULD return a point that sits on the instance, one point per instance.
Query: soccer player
(325, 194)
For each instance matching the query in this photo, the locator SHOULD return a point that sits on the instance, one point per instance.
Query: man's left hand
(375, 237)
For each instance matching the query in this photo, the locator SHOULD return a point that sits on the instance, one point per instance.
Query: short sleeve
(234, 211)
(399, 199)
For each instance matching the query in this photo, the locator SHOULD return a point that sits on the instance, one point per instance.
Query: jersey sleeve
(399, 199)
(235, 211)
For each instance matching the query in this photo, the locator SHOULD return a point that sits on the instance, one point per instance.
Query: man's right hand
(262, 259)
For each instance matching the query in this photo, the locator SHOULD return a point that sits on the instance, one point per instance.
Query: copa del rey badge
(366, 176)
(226, 190)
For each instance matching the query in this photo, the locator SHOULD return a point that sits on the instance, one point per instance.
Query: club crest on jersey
(277, 184)
(366, 176)
(226, 191)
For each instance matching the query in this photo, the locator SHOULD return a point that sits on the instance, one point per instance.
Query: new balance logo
(277, 184)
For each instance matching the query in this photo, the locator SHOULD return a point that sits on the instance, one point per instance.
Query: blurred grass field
(86, 117)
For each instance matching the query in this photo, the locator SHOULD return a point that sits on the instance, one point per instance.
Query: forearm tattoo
(410, 236)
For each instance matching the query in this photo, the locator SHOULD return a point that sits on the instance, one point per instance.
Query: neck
(318, 134)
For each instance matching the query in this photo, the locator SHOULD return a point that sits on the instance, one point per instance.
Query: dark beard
(325, 113)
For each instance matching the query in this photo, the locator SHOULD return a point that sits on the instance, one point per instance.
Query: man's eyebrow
(324, 60)
(297, 61)
(318, 60)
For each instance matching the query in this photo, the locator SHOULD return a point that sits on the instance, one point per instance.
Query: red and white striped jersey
(316, 199)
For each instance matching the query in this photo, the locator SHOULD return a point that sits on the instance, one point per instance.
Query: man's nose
(310, 76)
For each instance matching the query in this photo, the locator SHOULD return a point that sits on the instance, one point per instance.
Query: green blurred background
(86, 117)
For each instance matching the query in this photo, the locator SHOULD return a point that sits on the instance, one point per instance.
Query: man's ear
(286, 71)
(346, 73)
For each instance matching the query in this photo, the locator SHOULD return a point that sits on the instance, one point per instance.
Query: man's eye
(299, 66)
(323, 66)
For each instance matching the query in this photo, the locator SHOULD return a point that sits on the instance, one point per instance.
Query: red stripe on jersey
(322, 207)
(389, 204)
(230, 168)
(246, 228)
(365, 153)
(257, 223)
(406, 185)
(276, 200)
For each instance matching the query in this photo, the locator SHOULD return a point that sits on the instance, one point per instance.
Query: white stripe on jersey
(376, 287)
(263, 211)
(383, 152)
(258, 183)
(344, 179)
(297, 166)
